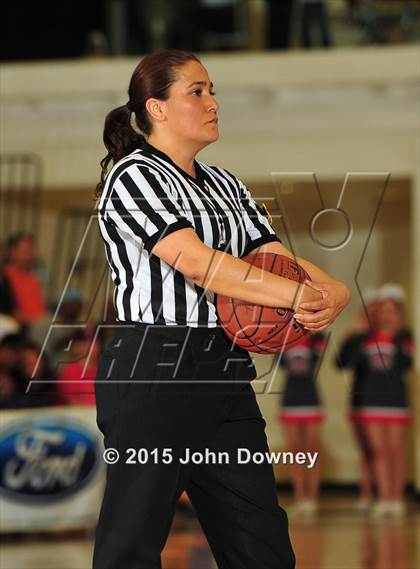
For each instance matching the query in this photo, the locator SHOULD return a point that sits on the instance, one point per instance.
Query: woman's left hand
(335, 295)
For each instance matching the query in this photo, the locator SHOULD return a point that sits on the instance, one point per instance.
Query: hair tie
(135, 126)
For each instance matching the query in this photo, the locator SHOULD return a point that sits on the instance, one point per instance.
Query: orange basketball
(263, 329)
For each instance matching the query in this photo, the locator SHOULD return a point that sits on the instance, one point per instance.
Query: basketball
(263, 329)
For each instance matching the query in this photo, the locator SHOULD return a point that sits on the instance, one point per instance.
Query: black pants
(201, 404)
(279, 23)
(315, 17)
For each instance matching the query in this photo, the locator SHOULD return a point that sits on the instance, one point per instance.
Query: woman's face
(23, 252)
(191, 110)
(389, 316)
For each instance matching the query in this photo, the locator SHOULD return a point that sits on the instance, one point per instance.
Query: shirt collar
(148, 148)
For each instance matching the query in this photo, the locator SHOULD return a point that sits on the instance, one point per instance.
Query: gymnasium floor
(339, 538)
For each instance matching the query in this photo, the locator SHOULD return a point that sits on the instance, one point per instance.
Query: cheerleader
(381, 357)
(348, 358)
(384, 408)
(301, 415)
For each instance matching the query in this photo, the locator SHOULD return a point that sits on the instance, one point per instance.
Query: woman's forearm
(233, 277)
(316, 273)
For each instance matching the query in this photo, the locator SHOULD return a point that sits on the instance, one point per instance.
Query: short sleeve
(258, 228)
(141, 204)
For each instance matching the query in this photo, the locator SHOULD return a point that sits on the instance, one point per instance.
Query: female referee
(173, 394)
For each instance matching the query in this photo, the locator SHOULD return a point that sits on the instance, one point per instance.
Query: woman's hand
(317, 315)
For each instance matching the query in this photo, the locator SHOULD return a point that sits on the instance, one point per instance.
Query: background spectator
(10, 384)
(76, 379)
(33, 369)
(28, 303)
(56, 340)
(6, 295)
(8, 324)
(20, 363)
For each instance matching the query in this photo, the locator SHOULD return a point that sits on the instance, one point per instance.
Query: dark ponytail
(127, 127)
(119, 138)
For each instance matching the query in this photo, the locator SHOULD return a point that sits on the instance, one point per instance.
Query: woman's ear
(156, 109)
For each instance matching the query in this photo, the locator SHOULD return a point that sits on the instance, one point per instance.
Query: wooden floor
(339, 538)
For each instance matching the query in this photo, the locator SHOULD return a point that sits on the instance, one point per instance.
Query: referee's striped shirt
(146, 196)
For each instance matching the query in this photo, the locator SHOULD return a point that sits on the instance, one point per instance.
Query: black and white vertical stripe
(146, 197)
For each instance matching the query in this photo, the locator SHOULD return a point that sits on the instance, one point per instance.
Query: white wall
(328, 111)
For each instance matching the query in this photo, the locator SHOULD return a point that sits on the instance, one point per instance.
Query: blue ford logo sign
(46, 458)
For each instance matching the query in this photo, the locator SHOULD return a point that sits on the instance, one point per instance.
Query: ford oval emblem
(46, 458)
